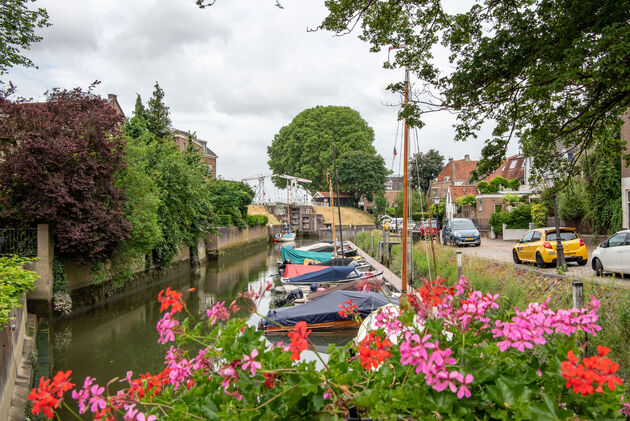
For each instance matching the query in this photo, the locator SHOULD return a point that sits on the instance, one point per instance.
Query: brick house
(210, 158)
(625, 172)
(513, 167)
(455, 173)
(455, 192)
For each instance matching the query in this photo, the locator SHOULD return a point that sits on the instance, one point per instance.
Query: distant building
(210, 158)
(625, 171)
(112, 100)
(512, 167)
(393, 185)
(455, 173)
(322, 198)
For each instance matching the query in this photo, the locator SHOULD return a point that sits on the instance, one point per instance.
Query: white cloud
(235, 73)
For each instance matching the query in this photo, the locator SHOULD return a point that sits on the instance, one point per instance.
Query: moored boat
(323, 313)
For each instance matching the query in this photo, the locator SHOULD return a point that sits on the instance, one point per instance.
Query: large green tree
(304, 147)
(361, 174)
(554, 74)
(18, 23)
(424, 167)
(184, 209)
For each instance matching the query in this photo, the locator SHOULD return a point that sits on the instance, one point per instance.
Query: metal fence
(21, 241)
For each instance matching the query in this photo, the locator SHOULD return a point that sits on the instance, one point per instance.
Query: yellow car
(539, 246)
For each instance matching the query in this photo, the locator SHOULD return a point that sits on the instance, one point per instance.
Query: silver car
(613, 255)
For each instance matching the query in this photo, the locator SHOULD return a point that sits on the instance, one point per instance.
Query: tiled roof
(511, 168)
(463, 168)
(459, 191)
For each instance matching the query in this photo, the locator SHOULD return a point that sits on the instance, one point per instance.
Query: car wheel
(582, 262)
(599, 268)
(453, 242)
(517, 260)
(540, 262)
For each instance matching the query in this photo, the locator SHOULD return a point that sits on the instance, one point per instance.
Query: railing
(19, 241)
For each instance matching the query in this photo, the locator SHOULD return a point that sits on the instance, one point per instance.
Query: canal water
(105, 342)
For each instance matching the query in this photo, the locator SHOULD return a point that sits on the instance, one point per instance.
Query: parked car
(613, 255)
(539, 246)
(395, 224)
(429, 228)
(460, 231)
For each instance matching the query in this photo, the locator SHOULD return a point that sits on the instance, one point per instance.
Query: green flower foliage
(15, 281)
(422, 363)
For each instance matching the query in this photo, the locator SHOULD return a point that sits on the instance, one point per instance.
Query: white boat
(284, 236)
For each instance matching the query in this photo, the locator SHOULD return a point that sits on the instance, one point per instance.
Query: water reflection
(106, 341)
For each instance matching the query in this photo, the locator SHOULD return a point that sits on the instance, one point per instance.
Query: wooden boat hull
(316, 327)
(284, 237)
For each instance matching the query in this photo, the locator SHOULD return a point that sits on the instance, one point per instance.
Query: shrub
(539, 214)
(15, 281)
(255, 220)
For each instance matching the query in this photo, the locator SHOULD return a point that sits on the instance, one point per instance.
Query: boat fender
(313, 287)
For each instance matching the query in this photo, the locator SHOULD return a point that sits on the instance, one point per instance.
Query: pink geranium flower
(251, 363)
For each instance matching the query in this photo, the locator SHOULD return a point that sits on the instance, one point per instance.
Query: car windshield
(564, 236)
(426, 225)
(463, 225)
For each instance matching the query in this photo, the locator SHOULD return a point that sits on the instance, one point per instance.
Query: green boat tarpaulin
(298, 256)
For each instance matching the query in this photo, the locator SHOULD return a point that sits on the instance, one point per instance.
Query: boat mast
(343, 254)
(405, 266)
(288, 210)
(332, 213)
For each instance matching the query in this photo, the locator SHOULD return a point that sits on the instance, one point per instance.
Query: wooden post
(459, 265)
(578, 294)
(372, 249)
(386, 247)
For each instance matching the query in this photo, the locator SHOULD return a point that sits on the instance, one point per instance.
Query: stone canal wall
(227, 238)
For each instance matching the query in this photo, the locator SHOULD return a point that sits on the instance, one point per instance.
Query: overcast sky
(234, 73)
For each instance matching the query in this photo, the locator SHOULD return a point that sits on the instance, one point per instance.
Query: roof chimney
(466, 157)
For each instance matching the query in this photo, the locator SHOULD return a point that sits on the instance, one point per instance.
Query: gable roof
(461, 168)
(511, 168)
(460, 191)
(203, 145)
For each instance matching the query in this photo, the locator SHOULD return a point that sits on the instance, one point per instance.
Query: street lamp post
(561, 263)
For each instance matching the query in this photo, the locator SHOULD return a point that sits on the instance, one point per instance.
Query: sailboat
(286, 235)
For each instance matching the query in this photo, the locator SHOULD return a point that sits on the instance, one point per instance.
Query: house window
(446, 178)
(479, 205)
(513, 164)
(210, 167)
(498, 208)
(388, 185)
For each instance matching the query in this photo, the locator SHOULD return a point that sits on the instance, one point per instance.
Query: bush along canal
(448, 350)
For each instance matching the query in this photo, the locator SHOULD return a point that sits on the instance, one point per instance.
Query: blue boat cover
(298, 256)
(330, 274)
(325, 309)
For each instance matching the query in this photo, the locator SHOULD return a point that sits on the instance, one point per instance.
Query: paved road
(501, 251)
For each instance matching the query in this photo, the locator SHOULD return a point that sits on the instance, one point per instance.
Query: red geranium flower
(171, 298)
(347, 309)
(591, 374)
(373, 350)
(299, 341)
(49, 394)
